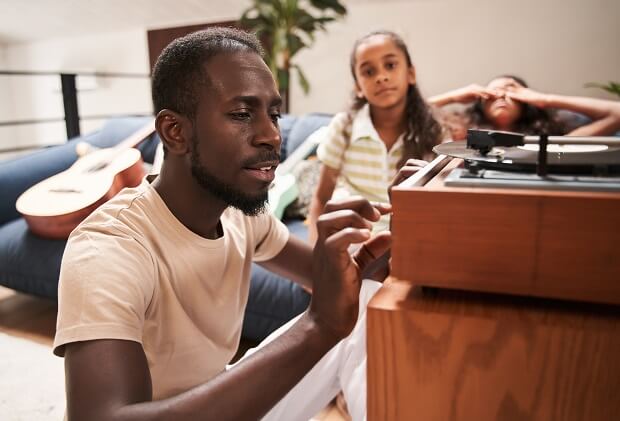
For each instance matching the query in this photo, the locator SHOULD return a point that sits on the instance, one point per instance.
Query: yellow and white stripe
(366, 166)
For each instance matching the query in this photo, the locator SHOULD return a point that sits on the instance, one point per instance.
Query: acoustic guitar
(55, 206)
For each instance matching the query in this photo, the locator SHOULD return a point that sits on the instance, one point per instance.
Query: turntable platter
(562, 159)
(566, 148)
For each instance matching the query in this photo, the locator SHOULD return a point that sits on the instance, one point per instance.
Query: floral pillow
(307, 175)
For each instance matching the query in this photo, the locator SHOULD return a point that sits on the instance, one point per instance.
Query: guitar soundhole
(65, 191)
(97, 167)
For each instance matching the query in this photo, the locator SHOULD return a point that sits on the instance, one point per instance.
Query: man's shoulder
(125, 215)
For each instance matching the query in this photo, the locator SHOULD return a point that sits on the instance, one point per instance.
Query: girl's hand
(528, 96)
(472, 93)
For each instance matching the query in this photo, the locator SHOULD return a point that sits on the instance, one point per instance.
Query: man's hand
(411, 167)
(337, 274)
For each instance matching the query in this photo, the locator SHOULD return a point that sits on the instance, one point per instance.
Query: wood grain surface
(443, 355)
(560, 244)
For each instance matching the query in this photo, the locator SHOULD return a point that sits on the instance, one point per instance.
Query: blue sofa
(31, 264)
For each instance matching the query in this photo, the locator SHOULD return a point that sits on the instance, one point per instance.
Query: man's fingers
(383, 208)
(373, 249)
(360, 205)
(331, 222)
(415, 162)
(410, 168)
(408, 171)
(341, 240)
(403, 174)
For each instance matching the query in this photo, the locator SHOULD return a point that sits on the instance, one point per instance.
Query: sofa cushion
(572, 120)
(303, 127)
(273, 300)
(307, 174)
(29, 263)
(286, 124)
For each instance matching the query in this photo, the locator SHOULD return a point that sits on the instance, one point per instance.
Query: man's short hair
(180, 71)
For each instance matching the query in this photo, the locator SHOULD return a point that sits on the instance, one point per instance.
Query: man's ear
(175, 131)
(411, 75)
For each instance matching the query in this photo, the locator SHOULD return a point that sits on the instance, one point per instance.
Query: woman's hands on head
(464, 95)
(474, 92)
(471, 93)
(528, 96)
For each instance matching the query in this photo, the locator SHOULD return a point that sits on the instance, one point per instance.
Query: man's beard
(250, 205)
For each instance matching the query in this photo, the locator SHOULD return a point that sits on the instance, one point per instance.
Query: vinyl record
(561, 159)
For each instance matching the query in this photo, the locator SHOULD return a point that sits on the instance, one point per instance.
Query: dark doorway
(158, 39)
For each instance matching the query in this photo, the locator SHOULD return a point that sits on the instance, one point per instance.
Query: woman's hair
(423, 131)
(533, 120)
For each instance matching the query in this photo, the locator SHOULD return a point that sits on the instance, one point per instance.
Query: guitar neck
(137, 137)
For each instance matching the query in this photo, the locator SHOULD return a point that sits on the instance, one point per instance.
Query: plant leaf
(294, 44)
(611, 87)
(305, 21)
(334, 5)
(303, 81)
(285, 27)
(283, 78)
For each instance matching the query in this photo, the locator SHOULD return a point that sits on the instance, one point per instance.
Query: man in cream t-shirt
(154, 283)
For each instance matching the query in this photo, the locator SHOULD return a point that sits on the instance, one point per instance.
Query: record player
(514, 214)
(502, 159)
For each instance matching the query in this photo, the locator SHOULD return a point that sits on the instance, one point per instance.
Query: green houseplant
(611, 87)
(286, 27)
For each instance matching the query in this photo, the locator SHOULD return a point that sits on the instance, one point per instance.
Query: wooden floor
(34, 319)
(27, 317)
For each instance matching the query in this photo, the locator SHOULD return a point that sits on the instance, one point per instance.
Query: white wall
(556, 45)
(4, 88)
(41, 97)
(6, 112)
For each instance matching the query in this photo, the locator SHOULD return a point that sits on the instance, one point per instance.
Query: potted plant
(286, 27)
(611, 87)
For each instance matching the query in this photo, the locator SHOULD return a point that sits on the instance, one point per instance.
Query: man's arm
(293, 262)
(110, 379)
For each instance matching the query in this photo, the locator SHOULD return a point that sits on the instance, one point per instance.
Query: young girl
(507, 103)
(388, 124)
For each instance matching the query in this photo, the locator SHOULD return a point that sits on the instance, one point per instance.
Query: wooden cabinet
(437, 353)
